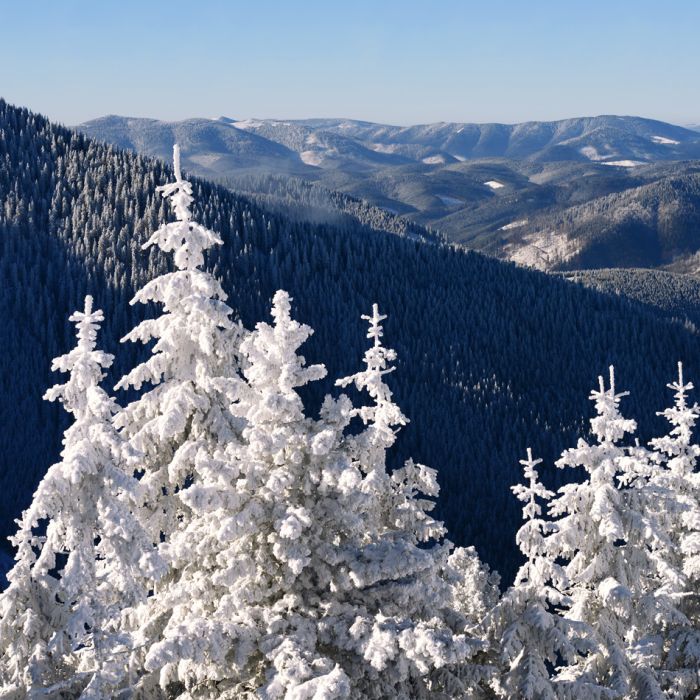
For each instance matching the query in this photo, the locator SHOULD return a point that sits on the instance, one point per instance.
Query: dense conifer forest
(491, 358)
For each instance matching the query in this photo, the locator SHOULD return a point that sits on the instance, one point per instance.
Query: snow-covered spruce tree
(618, 573)
(192, 366)
(590, 536)
(419, 585)
(525, 628)
(182, 424)
(675, 501)
(474, 592)
(81, 553)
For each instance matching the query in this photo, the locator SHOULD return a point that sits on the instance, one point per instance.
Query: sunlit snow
(311, 157)
(542, 249)
(383, 147)
(624, 163)
(664, 140)
(247, 124)
(513, 224)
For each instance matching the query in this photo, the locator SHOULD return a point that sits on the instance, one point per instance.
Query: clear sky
(395, 61)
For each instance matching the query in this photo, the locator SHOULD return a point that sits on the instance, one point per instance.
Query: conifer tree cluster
(216, 537)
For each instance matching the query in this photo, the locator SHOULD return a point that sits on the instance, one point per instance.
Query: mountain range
(603, 191)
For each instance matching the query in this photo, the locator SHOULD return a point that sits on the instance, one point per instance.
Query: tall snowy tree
(81, 554)
(183, 422)
(620, 578)
(421, 577)
(192, 365)
(591, 538)
(526, 628)
(675, 502)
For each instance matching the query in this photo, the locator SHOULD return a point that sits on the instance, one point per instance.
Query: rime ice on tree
(524, 628)
(589, 532)
(183, 423)
(619, 576)
(675, 501)
(310, 580)
(60, 614)
(191, 366)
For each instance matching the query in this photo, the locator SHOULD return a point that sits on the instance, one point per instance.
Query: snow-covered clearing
(434, 160)
(311, 157)
(513, 224)
(624, 163)
(663, 140)
(542, 249)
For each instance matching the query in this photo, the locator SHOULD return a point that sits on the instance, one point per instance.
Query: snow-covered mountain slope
(330, 143)
(469, 181)
(599, 138)
(651, 225)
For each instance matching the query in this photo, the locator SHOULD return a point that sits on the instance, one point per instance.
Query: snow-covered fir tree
(618, 572)
(397, 513)
(526, 628)
(590, 536)
(181, 425)
(81, 554)
(675, 502)
(191, 366)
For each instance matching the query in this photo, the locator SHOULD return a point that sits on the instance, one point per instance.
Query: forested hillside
(654, 225)
(492, 358)
(673, 294)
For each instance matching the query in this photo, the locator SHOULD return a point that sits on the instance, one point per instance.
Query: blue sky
(394, 61)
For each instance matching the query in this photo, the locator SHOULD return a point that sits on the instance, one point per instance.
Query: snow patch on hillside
(624, 163)
(513, 224)
(542, 250)
(434, 160)
(664, 141)
(248, 124)
(311, 157)
(591, 152)
(494, 184)
(206, 160)
(383, 147)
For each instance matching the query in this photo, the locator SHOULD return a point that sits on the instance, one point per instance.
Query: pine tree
(526, 629)
(81, 554)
